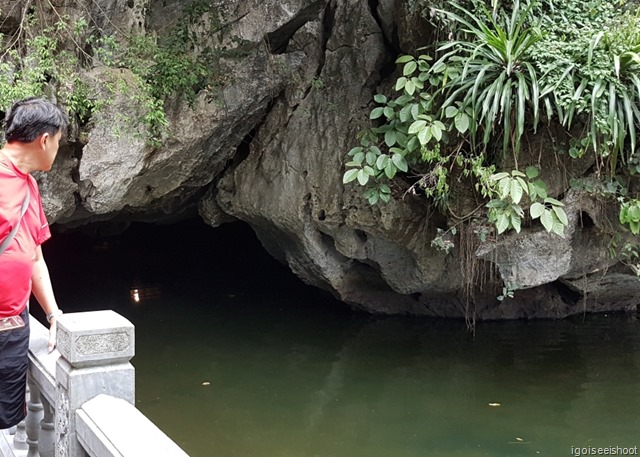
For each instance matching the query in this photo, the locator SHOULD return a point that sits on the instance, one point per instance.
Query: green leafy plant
(44, 57)
(508, 291)
(497, 79)
(506, 70)
(443, 240)
(506, 211)
(630, 215)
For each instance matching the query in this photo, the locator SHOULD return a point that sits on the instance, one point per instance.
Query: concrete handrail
(82, 397)
(42, 364)
(111, 427)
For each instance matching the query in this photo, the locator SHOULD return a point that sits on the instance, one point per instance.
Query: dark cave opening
(90, 271)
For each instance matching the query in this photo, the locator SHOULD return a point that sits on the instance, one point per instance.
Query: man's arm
(43, 291)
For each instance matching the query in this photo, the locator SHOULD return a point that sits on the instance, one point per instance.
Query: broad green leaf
(400, 83)
(518, 173)
(363, 177)
(541, 188)
(523, 184)
(385, 197)
(634, 213)
(439, 67)
(388, 112)
(499, 176)
(404, 59)
(379, 98)
(385, 189)
(462, 122)
(451, 111)
(623, 214)
(390, 138)
(376, 112)
(502, 223)
(532, 172)
(412, 144)
(553, 201)
(635, 227)
(359, 158)
(382, 162)
(409, 68)
(516, 222)
(390, 170)
(373, 199)
(436, 132)
(400, 162)
(350, 175)
(405, 113)
(505, 187)
(516, 191)
(355, 150)
(495, 203)
(558, 227)
(424, 136)
(417, 126)
(371, 158)
(415, 111)
(547, 219)
(536, 210)
(561, 215)
(410, 88)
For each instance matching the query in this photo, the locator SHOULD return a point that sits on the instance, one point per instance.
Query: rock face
(268, 149)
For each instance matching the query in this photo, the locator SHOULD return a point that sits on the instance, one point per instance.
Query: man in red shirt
(33, 128)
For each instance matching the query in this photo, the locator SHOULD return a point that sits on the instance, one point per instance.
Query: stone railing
(81, 397)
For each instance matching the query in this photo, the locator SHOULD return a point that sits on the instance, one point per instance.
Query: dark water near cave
(236, 358)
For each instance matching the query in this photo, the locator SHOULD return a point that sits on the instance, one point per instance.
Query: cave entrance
(149, 265)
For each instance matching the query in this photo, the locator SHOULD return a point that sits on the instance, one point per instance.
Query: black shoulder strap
(9, 238)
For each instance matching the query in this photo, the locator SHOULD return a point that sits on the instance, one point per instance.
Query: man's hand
(52, 335)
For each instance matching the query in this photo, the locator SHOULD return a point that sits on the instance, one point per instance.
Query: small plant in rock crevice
(49, 53)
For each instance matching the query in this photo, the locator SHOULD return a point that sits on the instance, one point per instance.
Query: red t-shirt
(16, 263)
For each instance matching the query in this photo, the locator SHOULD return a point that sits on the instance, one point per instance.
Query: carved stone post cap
(95, 338)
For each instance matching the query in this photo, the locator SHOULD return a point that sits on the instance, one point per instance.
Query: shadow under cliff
(90, 270)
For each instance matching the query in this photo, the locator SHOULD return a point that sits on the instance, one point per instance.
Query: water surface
(236, 358)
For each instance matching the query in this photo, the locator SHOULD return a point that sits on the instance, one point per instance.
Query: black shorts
(14, 361)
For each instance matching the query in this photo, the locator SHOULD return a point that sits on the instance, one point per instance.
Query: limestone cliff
(268, 149)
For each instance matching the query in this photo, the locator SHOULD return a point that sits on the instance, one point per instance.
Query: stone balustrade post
(95, 349)
(47, 439)
(35, 414)
(20, 437)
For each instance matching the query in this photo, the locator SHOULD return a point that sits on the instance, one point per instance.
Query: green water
(236, 358)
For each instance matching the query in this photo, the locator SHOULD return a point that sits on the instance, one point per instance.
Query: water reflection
(141, 292)
(307, 384)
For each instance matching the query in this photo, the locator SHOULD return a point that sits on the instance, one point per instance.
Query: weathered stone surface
(268, 148)
(10, 15)
(133, 434)
(95, 338)
(378, 259)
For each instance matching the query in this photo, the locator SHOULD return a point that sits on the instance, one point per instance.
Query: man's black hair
(31, 117)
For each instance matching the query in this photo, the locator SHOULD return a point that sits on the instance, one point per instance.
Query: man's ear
(42, 140)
